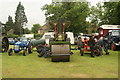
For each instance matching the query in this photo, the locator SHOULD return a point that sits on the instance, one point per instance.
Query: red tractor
(85, 42)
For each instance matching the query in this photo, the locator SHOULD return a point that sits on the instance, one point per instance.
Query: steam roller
(60, 44)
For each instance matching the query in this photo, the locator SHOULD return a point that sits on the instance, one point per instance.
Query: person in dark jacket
(92, 45)
(106, 43)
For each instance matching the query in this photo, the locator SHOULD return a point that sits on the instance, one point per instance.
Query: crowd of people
(95, 45)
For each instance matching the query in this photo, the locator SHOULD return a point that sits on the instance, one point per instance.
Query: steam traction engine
(60, 44)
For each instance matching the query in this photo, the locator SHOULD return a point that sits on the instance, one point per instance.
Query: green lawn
(31, 66)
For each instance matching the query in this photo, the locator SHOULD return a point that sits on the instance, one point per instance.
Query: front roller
(60, 52)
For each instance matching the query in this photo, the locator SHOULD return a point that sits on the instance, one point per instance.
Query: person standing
(106, 43)
(92, 45)
(80, 46)
(100, 44)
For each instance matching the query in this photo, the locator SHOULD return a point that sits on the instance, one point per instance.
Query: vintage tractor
(36, 43)
(114, 39)
(85, 42)
(4, 42)
(21, 45)
(60, 44)
(13, 41)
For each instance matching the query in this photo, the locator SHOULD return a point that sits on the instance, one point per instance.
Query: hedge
(37, 35)
(12, 36)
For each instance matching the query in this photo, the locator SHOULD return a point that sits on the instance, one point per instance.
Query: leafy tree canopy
(35, 28)
(75, 12)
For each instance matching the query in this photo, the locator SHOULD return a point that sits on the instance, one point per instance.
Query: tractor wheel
(40, 50)
(113, 47)
(5, 44)
(24, 52)
(29, 48)
(10, 52)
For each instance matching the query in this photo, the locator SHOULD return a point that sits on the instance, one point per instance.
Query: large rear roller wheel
(5, 44)
(60, 53)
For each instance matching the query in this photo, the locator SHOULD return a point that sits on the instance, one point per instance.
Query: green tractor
(60, 44)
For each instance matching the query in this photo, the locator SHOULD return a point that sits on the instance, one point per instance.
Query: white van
(47, 36)
(28, 35)
(71, 36)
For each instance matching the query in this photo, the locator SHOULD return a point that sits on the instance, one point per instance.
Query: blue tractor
(12, 42)
(21, 45)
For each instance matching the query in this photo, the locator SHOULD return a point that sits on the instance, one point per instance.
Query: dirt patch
(80, 76)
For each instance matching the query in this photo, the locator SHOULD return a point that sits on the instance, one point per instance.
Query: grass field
(31, 66)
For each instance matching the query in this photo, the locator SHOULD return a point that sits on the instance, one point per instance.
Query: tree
(95, 17)
(27, 31)
(111, 13)
(9, 24)
(74, 12)
(35, 28)
(106, 14)
(20, 19)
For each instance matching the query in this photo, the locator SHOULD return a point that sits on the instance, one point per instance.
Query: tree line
(82, 16)
(20, 22)
(104, 13)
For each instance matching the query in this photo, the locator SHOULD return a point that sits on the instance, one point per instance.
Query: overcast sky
(32, 9)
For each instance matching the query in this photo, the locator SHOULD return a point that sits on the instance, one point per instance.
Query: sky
(32, 10)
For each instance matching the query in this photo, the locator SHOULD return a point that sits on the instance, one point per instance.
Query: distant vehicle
(28, 36)
(85, 36)
(71, 36)
(114, 39)
(80, 33)
(112, 32)
(104, 29)
(49, 35)
(95, 34)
